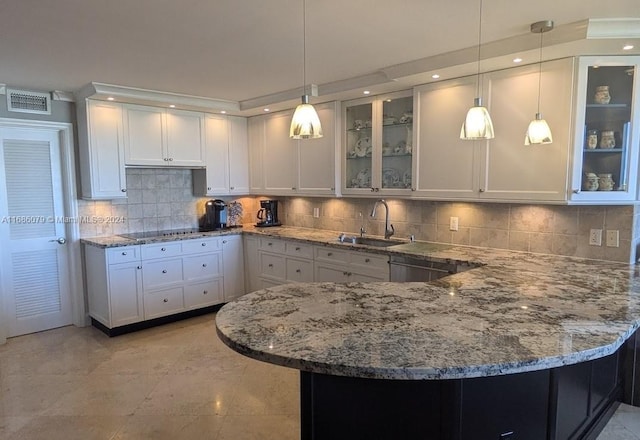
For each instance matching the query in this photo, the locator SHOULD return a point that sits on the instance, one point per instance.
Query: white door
(34, 255)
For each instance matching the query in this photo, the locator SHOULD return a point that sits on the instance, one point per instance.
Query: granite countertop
(513, 313)
(120, 241)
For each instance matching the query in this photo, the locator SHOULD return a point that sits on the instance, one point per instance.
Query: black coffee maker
(268, 213)
(215, 215)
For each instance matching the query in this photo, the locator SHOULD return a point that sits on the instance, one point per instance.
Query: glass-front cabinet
(378, 144)
(606, 131)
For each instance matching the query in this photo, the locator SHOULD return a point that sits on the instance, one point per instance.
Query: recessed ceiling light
(627, 47)
(366, 92)
(388, 100)
(110, 98)
(224, 112)
(517, 60)
(435, 76)
(172, 106)
(266, 109)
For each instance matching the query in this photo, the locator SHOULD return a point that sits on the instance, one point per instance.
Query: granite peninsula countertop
(515, 312)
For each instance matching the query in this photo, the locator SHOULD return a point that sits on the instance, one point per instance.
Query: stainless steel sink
(370, 241)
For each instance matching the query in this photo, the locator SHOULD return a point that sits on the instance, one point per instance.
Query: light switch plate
(613, 238)
(453, 223)
(316, 212)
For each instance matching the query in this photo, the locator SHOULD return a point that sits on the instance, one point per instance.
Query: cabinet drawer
(203, 294)
(200, 245)
(161, 273)
(299, 271)
(161, 250)
(299, 249)
(370, 261)
(163, 302)
(202, 266)
(356, 277)
(272, 266)
(327, 273)
(123, 254)
(331, 255)
(272, 245)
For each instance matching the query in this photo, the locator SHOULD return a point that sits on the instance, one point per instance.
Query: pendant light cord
(540, 72)
(304, 47)
(479, 45)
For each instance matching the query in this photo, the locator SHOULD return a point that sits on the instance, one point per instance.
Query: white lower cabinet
(130, 284)
(339, 266)
(273, 261)
(233, 267)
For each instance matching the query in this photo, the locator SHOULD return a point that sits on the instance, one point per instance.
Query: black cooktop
(170, 233)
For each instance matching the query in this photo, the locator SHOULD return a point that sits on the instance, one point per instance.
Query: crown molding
(613, 28)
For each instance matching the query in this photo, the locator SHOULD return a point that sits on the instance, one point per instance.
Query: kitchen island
(524, 346)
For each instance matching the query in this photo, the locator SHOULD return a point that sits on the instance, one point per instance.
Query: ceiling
(239, 50)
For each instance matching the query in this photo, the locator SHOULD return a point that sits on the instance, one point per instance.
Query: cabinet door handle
(204, 264)
(344, 273)
(163, 249)
(232, 187)
(349, 274)
(377, 189)
(373, 189)
(165, 159)
(224, 241)
(124, 253)
(366, 260)
(164, 270)
(481, 190)
(166, 300)
(298, 271)
(171, 159)
(576, 191)
(208, 188)
(297, 248)
(203, 244)
(329, 254)
(269, 244)
(270, 265)
(205, 292)
(124, 190)
(293, 188)
(139, 267)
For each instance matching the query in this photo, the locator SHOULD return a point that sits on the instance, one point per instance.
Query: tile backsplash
(163, 199)
(548, 229)
(157, 199)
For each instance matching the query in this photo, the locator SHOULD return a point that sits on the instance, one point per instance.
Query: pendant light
(539, 131)
(477, 124)
(305, 123)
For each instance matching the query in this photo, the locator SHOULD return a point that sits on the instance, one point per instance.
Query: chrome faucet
(388, 228)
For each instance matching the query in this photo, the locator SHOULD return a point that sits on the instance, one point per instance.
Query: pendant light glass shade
(538, 132)
(305, 123)
(477, 124)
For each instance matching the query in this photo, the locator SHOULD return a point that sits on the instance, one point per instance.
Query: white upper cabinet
(606, 136)
(102, 169)
(509, 169)
(159, 137)
(378, 145)
(503, 168)
(227, 171)
(280, 165)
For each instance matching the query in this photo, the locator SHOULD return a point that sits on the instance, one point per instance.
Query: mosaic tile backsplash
(163, 199)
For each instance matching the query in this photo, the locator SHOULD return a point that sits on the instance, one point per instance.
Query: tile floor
(173, 382)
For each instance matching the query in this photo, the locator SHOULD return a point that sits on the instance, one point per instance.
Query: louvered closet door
(34, 272)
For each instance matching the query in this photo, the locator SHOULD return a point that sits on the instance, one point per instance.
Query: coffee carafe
(268, 213)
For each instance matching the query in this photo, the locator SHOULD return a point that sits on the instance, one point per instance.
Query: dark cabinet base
(572, 402)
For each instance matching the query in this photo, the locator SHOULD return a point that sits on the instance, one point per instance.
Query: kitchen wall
(559, 230)
(157, 199)
(163, 199)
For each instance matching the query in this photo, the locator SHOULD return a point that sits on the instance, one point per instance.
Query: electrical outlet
(453, 223)
(595, 237)
(613, 238)
(316, 212)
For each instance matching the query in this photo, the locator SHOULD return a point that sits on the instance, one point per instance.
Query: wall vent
(24, 101)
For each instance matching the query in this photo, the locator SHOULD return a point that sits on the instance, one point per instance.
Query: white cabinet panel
(162, 273)
(101, 134)
(203, 294)
(238, 156)
(125, 285)
(233, 267)
(123, 254)
(144, 129)
(280, 156)
(203, 266)
(161, 250)
(251, 262)
(185, 138)
(272, 266)
(317, 157)
(299, 271)
(163, 302)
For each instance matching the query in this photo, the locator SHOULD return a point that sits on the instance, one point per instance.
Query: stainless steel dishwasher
(408, 269)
